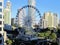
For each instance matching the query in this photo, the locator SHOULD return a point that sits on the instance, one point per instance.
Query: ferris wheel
(29, 16)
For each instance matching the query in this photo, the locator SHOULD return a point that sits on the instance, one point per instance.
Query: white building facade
(1, 22)
(43, 23)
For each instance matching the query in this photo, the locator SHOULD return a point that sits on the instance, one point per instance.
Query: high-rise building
(13, 21)
(7, 13)
(43, 23)
(31, 11)
(59, 24)
(55, 22)
(20, 18)
(59, 21)
(51, 18)
(1, 22)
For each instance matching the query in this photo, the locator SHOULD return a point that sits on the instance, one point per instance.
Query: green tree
(53, 37)
(9, 42)
(47, 33)
(41, 34)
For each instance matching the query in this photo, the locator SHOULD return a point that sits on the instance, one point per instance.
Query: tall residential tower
(7, 13)
(50, 19)
(31, 11)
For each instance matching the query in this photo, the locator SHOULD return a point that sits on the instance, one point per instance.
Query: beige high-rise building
(51, 18)
(7, 13)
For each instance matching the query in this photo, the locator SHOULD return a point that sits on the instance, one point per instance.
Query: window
(0, 9)
(0, 3)
(0, 28)
(0, 41)
(0, 22)
(0, 35)
(0, 16)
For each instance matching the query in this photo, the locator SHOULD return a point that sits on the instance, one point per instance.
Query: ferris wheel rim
(27, 6)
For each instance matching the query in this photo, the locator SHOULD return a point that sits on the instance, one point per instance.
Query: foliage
(41, 34)
(53, 36)
(47, 33)
(9, 42)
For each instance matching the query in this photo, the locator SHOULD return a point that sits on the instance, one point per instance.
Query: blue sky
(42, 5)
